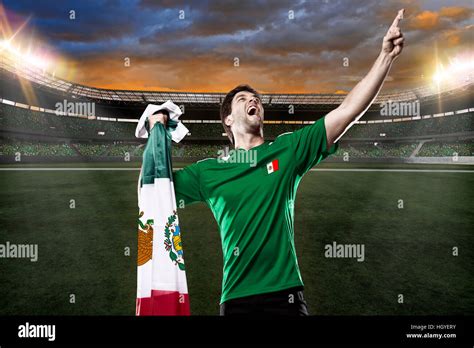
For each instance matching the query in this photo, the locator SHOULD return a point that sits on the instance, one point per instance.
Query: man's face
(247, 113)
(162, 115)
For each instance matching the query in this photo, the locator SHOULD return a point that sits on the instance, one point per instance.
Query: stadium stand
(376, 150)
(123, 149)
(445, 125)
(21, 120)
(424, 127)
(91, 149)
(417, 128)
(447, 149)
(197, 151)
(34, 122)
(36, 149)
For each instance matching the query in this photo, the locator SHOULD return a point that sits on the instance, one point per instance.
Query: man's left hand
(393, 41)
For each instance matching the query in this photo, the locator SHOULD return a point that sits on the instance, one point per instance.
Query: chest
(244, 178)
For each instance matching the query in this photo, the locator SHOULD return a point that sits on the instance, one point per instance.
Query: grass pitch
(82, 251)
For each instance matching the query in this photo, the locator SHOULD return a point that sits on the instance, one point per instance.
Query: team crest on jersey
(173, 241)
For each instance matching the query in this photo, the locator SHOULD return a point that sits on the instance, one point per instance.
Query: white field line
(313, 170)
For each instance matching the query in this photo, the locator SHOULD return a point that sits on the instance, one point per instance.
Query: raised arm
(356, 103)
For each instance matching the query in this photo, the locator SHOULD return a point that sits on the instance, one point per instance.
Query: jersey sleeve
(310, 146)
(187, 185)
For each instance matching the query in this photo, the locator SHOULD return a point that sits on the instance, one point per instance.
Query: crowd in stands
(17, 119)
(92, 149)
(376, 150)
(430, 126)
(10, 147)
(197, 151)
(123, 149)
(36, 149)
(271, 131)
(190, 151)
(205, 130)
(80, 137)
(440, 149)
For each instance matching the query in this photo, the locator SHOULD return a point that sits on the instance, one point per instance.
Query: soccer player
(252, 201)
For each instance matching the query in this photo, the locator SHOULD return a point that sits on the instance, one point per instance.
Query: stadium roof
(46, 79)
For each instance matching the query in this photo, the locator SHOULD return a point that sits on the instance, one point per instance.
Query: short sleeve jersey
(252, 194)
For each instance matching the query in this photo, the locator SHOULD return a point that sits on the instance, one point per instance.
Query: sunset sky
(276, 53)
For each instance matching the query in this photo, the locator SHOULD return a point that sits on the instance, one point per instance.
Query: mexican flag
(161, 272)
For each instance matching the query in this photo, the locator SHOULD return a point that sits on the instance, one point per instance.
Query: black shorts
(289, 302)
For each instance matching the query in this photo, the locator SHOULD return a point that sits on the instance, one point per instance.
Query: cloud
(81, 21)
(425, 20)
(277, 52)
(456, 13)
(445, 18)
(458, 37)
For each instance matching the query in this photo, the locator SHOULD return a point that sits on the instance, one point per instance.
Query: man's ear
(229, 120)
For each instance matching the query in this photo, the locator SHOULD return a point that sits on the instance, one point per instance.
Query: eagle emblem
(145, 240)
(173, 241)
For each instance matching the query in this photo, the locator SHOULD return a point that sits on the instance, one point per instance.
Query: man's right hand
(157, 118)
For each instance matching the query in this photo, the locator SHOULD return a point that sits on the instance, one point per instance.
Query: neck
(247, 141)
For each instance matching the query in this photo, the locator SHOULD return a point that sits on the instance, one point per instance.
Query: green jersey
(252, 194)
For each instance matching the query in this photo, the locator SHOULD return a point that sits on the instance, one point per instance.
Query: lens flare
(458, 71)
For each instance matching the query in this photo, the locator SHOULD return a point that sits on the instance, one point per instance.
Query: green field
(407, 251)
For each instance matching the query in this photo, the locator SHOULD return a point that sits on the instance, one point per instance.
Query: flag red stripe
(275, 165)
(163, 303)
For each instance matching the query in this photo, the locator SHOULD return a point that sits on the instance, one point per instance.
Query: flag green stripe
(157, 155)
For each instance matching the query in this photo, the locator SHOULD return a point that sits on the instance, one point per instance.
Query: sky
(316, 46)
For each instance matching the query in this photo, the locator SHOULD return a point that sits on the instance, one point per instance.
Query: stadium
(75, 123)
(401, 183)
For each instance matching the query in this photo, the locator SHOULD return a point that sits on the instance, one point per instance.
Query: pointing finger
(398, 18)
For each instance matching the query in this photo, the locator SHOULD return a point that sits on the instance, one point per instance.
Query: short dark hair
(226, 106)
(162, 111)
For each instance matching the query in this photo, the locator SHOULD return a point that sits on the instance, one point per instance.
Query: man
(253, 204)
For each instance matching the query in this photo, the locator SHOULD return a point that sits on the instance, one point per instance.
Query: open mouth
(252, 110)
